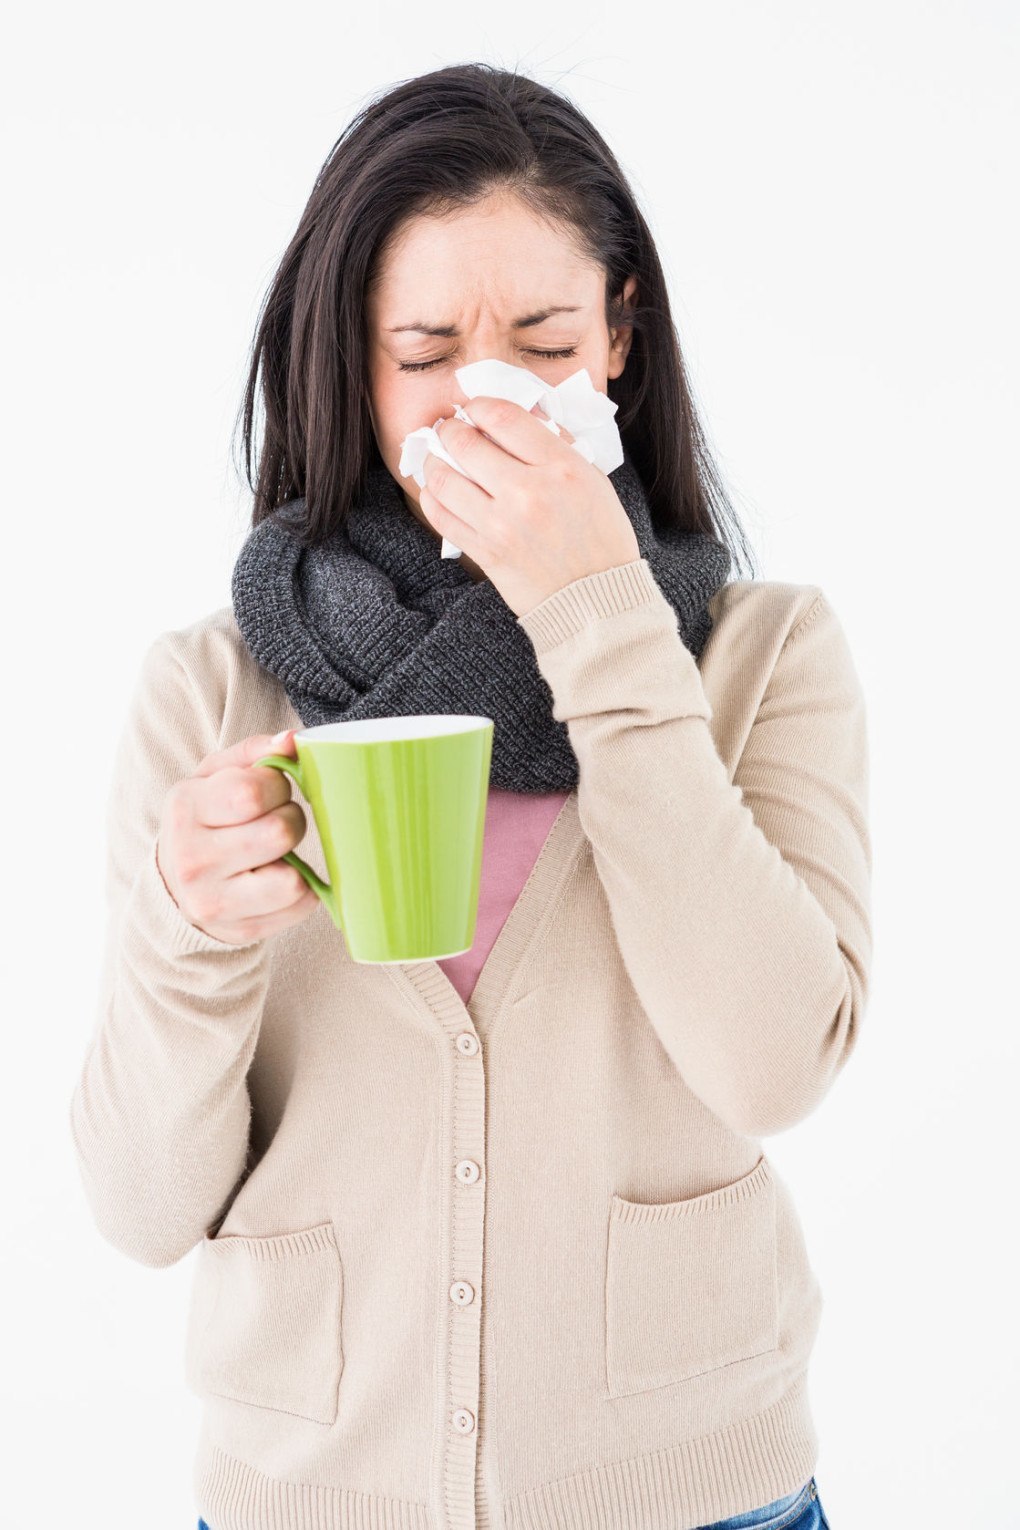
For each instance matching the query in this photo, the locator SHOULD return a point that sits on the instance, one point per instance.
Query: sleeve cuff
(608, 643)
(155, 913)
(606, 593)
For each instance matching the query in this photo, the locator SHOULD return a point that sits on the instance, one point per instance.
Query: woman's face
(476, 275)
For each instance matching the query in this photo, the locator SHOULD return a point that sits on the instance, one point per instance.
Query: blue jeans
(801, 1510)
(797, 1511)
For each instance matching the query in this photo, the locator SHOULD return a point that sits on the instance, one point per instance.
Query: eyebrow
(449, 331)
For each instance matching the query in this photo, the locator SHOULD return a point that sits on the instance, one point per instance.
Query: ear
(621, 335)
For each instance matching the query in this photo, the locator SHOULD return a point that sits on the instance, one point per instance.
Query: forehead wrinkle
(450, 331)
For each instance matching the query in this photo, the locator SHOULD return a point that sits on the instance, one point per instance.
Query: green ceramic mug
(399, 803)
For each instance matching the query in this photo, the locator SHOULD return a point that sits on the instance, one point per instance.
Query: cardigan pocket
(691, 1285)
(264, 1321)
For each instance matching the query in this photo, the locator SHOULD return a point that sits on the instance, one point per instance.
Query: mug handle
(315, 882)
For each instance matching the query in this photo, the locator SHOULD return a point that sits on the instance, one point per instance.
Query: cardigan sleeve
(741, 907)
(160, 1113)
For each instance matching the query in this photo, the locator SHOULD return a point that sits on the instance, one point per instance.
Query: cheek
(405, 401)
(594, 357)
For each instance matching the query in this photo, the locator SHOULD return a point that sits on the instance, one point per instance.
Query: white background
(833, 192)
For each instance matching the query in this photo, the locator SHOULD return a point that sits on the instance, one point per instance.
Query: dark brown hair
(434, 144)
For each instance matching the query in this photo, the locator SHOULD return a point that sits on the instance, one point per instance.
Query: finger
(265, 890)
(247, 750)
(279, 916)
(485, 468)
(249, 846)
(518, 431)
(460, 532)
(453, 489)
(237, 794)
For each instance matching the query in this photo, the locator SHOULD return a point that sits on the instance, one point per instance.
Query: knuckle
(282, 834)
(501, 411)
(244, 799)
(190, 870)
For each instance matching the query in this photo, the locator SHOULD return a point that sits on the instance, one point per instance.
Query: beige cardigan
(521, 1263)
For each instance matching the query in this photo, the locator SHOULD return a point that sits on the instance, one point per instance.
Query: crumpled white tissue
(575, 404)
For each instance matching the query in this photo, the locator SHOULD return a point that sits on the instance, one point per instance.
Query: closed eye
(423, 366)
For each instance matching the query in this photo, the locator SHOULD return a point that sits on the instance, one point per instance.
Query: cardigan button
(467, 1043)
(462, 1293)
(467, 1171)
(463, 1421)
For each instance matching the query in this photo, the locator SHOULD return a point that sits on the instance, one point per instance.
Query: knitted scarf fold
(374, 623)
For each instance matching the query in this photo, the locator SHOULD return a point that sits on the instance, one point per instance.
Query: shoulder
(209, 639)
(774, 636)
(767, 618)
(755, 609)
(207, 649)
(208, 660)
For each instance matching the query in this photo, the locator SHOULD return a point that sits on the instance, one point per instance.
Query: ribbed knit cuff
(153, 910)
(633, 664)
(606, 593)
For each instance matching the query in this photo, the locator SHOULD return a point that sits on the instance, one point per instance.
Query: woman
(490, 1240)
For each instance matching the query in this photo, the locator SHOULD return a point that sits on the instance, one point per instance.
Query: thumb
(247, 750)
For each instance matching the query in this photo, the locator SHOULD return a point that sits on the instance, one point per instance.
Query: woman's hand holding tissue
(538, 515)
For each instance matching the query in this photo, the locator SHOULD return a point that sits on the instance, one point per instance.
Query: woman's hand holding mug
(222, 834)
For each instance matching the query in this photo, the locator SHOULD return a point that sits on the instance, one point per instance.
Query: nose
(492, 350)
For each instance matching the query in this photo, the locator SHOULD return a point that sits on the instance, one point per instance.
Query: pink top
(517, 825)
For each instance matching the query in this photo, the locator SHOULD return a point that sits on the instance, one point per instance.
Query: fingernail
(281, 738)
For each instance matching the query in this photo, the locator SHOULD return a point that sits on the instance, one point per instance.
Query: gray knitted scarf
(374, 623)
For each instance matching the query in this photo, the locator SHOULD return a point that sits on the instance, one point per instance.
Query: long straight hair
(431, 145)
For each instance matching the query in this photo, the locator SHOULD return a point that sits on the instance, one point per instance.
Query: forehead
(499, 255)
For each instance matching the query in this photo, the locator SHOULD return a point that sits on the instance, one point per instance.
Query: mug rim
(419, 726)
